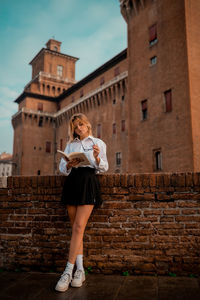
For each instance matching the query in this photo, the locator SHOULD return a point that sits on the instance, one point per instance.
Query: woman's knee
(78, 228)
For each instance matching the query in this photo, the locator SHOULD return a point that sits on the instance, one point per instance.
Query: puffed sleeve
(103, 164)
(63, 163)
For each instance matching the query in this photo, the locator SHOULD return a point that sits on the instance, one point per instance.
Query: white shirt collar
(88, 137)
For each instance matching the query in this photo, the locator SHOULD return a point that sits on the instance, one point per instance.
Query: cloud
(7, 92)
(7, 109)
(6, 136)
(98, 47)
(7, 106)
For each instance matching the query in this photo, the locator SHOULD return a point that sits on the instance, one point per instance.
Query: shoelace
(65, 277)
(78, 274)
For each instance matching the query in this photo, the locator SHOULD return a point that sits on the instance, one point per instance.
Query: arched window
(48, 89)
(53, 90)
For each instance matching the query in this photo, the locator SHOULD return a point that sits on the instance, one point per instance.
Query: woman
(81, 192)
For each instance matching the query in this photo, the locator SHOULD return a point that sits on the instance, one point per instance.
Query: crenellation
(130, 8)
(135, 6)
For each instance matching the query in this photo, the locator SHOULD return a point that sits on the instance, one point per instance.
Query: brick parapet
(148, 224)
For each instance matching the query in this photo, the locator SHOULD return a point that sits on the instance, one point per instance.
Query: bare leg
(83, 213)
(71, 209)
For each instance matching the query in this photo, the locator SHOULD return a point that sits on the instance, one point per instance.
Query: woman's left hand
(96, 151)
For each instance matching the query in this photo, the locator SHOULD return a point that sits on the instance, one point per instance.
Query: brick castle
(144, 102)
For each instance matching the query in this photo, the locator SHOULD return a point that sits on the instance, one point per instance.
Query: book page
(79, 155)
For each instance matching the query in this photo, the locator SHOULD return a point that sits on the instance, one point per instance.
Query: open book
(79, 155)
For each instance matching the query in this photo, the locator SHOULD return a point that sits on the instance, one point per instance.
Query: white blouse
(86, 146)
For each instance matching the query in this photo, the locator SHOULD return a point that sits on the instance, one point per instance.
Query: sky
(92, 30)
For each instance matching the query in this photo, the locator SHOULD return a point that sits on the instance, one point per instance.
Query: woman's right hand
(72, 163)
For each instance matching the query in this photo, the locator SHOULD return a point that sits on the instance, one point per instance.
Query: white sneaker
(63, 283)
(79, 278)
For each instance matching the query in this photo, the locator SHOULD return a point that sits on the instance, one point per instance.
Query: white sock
(69, 268)
(79, 262)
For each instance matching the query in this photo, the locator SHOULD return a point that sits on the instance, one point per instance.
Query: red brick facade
(144, 101)
(148, 224)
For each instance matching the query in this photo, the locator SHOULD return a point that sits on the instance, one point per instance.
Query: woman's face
(80, 128)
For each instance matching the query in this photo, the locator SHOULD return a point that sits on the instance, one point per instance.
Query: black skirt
(81, 187)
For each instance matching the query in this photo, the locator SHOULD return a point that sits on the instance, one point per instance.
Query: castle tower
(163, 91)
(34, 124)
(52, 71)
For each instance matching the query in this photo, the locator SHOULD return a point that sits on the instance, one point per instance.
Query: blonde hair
(84, 119)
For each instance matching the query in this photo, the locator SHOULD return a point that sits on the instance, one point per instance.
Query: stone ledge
(141, 182)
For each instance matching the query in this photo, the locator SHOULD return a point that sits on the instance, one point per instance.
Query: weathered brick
(152, 180)
(189, 179)
(163, 204)
(142, 204)
(196, 179)
(145, 196)
(99, 218)
(117, 238)
(138, 180)
(166, 219)
(119, 190)
(190, 211)
(3, 192)
(188, 204)
(124, 180)
(164, 197)
(188, 218)
(118, 219)
(152, 212)
(171, 212)
(20, 231)
(130, 180)
(118, 205)
(143, 219)
(110, 181)
(159, 180)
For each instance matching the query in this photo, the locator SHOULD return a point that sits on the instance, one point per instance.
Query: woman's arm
(63, 163)
(99, 153)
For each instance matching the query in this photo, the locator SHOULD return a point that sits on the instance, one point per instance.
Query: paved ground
(40, 286)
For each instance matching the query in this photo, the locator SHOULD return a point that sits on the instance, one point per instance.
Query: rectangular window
(123, 97)
(48, 147)
(144, 109)
(123, 125)
(99, 131)
(59, 70)
(40, 123)
(153, 60)
(153, 35)
(61, 144)
(118, 158)
(116, 71)
(40, 106)
(157, 160)
(168, 100)
(102, 81)
(114, 128)
(81, 93)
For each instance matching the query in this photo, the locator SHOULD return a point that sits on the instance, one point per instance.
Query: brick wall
(148, 224)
